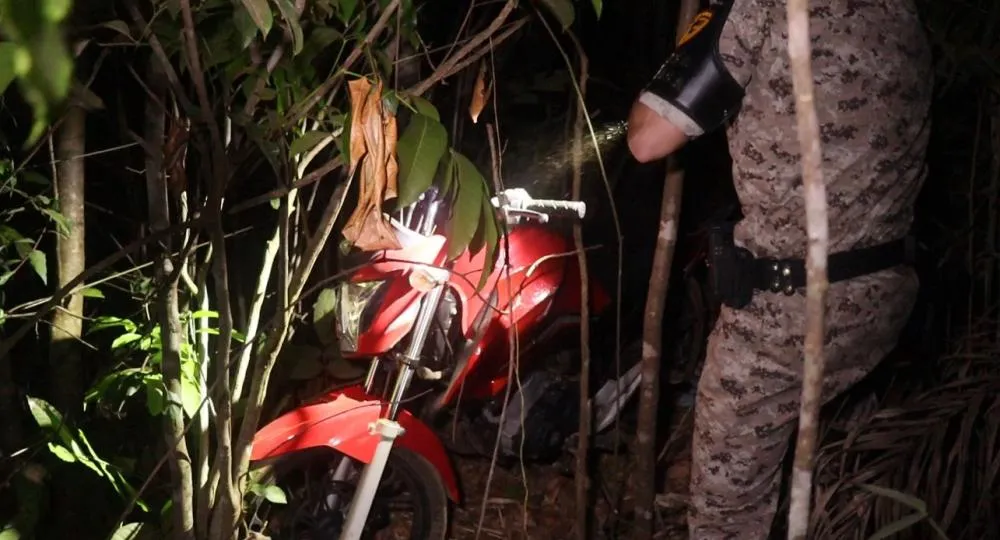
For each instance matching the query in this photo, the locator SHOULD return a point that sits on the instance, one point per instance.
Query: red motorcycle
(443, 376)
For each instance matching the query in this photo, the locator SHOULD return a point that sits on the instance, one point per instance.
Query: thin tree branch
(799, 53)
(161, 56)
(473, 58)
(279, 326)
(652, 338)
(447, 67)
(71, 287)
(299, 111)
(583, 510)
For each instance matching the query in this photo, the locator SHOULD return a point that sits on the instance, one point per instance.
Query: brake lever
(515, 215)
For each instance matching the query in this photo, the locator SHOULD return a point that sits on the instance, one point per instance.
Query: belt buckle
(781, 278)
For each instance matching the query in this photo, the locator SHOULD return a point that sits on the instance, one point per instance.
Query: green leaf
(125, 339)
(128, 531)
(56, 10)
(24, 246)
(323, 313)
(121, 27)
(8, 71)
(261, 14)
(468, 205)
(491, 236)
(205, 314)
(92, 292)
(156, 398)
(48, 418)
(62, 224)
(419, 151)
(240, 337)
(598, 7)
(425, 107)
(9, 235)
(291, 17)
(246, 27)
(105, 322)
(37, 261)
(347, 8)
(563, 11)
(307, 142)
(61, 452)
(190, 396)
(275, 495)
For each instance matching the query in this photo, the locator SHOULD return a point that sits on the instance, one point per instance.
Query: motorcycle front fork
(387, 428)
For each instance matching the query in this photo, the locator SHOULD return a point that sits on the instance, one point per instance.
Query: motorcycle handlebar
(579, 207)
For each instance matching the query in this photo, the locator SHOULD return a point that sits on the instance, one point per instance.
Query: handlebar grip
(579, 207)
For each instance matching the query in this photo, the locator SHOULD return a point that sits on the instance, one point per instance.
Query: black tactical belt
(735, 274)
(787, 275)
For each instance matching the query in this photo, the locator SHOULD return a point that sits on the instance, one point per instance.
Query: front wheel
(411, 501)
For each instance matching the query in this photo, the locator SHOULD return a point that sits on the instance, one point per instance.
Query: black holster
(730, 268)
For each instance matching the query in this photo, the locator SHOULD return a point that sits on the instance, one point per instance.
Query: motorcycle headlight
(359, 302)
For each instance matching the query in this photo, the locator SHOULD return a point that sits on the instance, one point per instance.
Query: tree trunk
(168, 309)
(67, 321)
(182, 486)
(659, 280)
(800, 56)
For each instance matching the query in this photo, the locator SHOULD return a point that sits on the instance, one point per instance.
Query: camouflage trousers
(748, 395)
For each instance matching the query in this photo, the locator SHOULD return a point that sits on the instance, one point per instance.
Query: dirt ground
(540, 504)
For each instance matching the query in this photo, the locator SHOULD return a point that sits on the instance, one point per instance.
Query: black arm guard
(694, 78)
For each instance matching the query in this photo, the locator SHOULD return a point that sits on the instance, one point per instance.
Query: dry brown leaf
(359, 90)
(391, 134)
(373, 145)
(480, 94)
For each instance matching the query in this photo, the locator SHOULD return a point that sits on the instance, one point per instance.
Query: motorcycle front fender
(342, 421)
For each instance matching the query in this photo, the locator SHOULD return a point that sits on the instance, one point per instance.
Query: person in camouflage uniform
(873, 83)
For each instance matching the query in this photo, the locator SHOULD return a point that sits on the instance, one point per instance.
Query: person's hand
(650, 135)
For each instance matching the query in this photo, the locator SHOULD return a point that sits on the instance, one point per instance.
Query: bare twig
(71, 287)
(299, 111)
(279, 328)
(161, 56)
(583, 431)
(581, 103)
(447, 67)
(799, 53)
(476, 56)
(659, 281)
(312, 177)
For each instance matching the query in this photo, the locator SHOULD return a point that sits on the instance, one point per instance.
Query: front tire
(307, 480)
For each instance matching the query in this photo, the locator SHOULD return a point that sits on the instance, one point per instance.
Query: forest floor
(540, 504)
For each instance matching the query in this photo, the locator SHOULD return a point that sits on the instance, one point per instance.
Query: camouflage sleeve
(740, 44)
(744, 36)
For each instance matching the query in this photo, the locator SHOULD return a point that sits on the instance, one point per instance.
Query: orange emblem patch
(699, 23)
